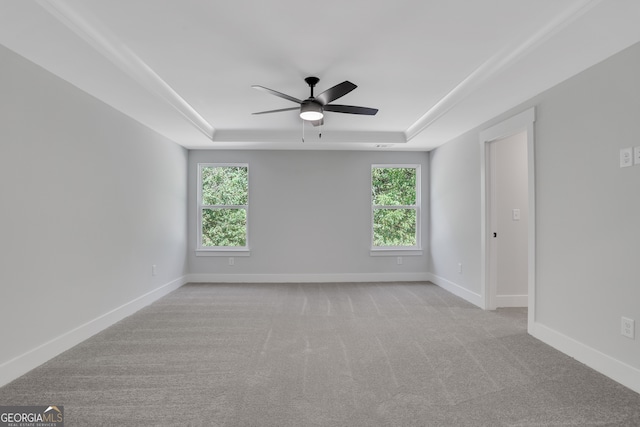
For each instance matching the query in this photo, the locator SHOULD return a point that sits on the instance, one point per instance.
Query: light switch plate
(636, 155)
(626, 158)
(516, 214)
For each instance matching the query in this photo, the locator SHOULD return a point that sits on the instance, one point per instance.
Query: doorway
(498, 210)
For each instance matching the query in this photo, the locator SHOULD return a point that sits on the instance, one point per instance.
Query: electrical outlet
(399, 260)
(232, 261)
(626, 157)
(460, 267)
(628, 328)
(153, 270)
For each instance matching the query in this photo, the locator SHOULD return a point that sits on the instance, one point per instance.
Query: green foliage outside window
(394, 206)
(225, 191)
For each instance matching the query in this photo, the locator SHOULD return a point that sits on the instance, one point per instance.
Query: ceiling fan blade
(351, 109)
(335, 92)
(279, 94)
(277, 111)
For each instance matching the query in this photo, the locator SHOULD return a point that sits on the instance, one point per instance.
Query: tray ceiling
(434, 68)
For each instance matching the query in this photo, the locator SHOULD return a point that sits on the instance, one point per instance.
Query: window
(395, 207)
(223, 207)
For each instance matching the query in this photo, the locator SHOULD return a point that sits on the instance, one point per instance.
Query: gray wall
(587, 210)
(455, 216)
(309, 218)
(90, 201)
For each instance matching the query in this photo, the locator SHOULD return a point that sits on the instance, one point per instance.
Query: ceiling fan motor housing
(311, 110)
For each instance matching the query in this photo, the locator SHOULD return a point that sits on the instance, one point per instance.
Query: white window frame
(234, 251)
(415, 250)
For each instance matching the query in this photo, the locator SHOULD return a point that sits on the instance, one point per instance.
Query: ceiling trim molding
(311, 135)
(498, 63)
(108, 45)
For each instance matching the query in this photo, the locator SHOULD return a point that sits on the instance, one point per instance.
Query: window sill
(396, 252)
(223, 252)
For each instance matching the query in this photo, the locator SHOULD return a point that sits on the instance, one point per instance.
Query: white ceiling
(434, 68)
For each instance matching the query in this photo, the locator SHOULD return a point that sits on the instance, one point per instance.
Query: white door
(509, 221)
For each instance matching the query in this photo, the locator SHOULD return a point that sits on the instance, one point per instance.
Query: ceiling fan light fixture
(311, 111)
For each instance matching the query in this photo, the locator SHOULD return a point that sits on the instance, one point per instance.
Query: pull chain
(319, 130)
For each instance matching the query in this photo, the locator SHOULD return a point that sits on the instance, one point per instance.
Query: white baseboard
(308, 278)
(512, 301)
(457, 290)
(618, 371)
(20, 365)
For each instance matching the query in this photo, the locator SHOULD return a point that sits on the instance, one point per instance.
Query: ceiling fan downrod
(312, 82)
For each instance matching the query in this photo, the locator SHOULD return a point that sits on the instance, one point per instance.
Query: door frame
(523, 122)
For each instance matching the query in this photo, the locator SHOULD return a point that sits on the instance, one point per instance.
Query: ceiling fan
(312, 109)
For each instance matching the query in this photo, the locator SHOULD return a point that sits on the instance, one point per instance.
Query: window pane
(393, 186)
(225, 185)
(224, 227)
(394, 227)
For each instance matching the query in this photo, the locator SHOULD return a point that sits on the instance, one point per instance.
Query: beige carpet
(392, 354)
